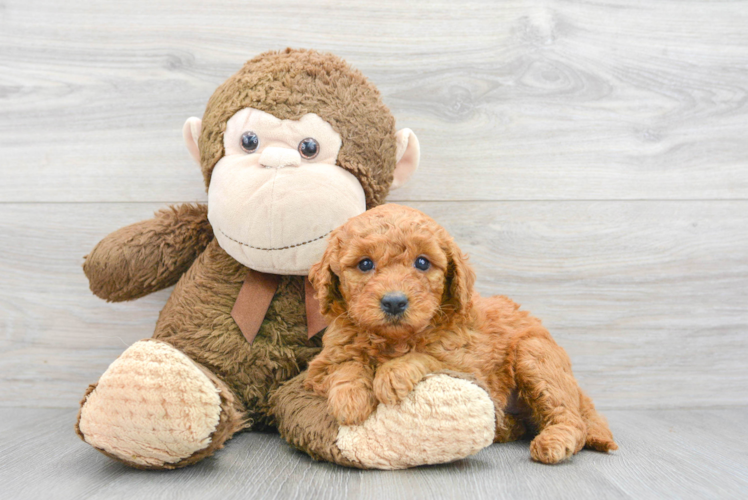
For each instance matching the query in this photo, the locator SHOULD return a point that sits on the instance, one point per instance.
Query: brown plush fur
(178, 245)
(371, 357)
(150, 255)
(197, 320)
(292, 83)
(304, 422)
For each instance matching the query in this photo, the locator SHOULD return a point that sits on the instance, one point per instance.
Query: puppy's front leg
(350, 398)
(396, 378)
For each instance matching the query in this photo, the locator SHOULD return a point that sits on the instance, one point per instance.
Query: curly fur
(371, 357)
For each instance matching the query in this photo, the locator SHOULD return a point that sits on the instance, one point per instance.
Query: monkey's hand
(150, 255)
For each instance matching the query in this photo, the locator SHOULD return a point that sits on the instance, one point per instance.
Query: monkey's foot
(442, 420)
(155, 408)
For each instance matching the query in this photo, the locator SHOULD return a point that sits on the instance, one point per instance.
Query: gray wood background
(591, 157)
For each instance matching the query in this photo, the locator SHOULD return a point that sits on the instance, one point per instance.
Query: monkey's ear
(191, 133)
(408, 155)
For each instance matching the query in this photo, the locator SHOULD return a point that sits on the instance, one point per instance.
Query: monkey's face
(277, 192)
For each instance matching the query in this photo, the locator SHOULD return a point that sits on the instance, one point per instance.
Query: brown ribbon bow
(254, 299)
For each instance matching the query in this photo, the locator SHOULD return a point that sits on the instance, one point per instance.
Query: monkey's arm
(150, 255)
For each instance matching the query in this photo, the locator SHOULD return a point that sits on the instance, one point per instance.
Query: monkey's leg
(445, 418)
(547, 385)
(155, 408)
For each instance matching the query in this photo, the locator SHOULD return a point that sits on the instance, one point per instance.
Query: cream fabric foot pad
(152, 406)
(444, 419)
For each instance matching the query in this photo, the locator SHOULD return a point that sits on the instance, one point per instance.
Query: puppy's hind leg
(547, 385)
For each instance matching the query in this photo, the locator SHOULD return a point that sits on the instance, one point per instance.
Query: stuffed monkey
(290, 147)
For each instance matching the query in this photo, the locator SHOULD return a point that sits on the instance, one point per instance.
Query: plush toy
(290, 147)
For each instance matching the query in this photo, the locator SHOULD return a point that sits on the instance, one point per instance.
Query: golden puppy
(399, 297)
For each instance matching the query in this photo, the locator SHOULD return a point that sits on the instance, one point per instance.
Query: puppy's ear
(460, 279)
(326, 283)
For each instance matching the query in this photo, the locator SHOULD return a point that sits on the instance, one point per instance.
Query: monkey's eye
(422, 263)
(250, 141)
(366, 265)
(308, 148)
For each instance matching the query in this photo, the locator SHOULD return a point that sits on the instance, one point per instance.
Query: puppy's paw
(554, 444)
(351, 404)
(392, 383)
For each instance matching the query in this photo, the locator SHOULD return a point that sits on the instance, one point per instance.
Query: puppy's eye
(308, 148)
(366, 265)
(422, 263)
(250, 142)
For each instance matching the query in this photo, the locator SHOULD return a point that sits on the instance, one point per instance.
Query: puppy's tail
(599, 436)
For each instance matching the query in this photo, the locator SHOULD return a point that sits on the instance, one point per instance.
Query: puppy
(398, 295)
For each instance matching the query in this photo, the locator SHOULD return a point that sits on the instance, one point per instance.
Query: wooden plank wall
(590, 156)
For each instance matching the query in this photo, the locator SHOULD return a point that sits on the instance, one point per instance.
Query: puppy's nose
(394, 303)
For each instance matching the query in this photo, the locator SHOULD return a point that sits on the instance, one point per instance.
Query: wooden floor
(664, 454)
(590, 156)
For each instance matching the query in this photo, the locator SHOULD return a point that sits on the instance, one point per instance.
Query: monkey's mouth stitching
(279, 248)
